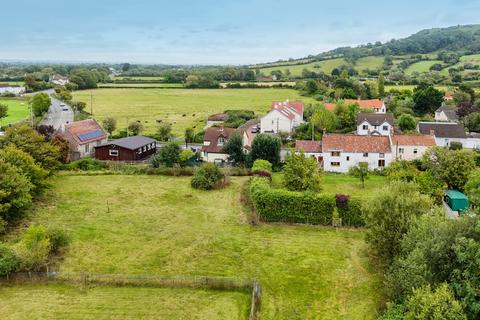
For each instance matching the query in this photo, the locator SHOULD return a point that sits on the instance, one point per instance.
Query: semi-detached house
(342, 151)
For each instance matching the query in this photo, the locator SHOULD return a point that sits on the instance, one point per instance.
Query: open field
(137, 78)
(35, 301)
(141, 85)
(160, 225)
(411, 87)
(344, 184)
(326, 66)
(183, 108)
(421, 66)
(17, 110)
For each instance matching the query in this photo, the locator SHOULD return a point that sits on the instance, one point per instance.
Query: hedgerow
(349, 210)
(277, 205)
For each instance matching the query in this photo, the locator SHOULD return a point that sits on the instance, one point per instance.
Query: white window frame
(113, 153)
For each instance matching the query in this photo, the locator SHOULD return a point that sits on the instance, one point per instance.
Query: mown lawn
(183, 108)
(160, 225)
(57, 301)
(17, 110)
(343, 184)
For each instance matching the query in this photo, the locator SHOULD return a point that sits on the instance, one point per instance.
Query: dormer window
(221, 141)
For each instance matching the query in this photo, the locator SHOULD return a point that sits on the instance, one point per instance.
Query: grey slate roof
(442, 129)
(450, 112)
(375, 119)
(131, 143)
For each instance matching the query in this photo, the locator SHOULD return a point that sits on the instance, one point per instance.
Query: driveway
(59, 114)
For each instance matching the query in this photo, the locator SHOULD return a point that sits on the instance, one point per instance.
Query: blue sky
(211, 31)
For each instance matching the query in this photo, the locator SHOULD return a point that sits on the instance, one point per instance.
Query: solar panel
(90, 135)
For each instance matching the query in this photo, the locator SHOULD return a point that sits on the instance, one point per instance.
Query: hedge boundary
(280, 205)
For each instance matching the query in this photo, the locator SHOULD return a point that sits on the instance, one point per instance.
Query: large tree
(40, 103)
(324, 119)
(109, 124)
(301, 173)
(389, 214)
(164, 131)
(234, 149)
(452, 167)
(3, 112)
(266, 147)
(426, 99)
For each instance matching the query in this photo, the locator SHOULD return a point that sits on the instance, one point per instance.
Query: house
(60, 80)
(446, 113)
(83, 137)
(342, 151)
(214, 140)
(249, 130)
(376, 105)
(283, 117)
(448, 95)
(411, 146)
(135, 148)
(14, 89)
(310, 148)
(375, 124)
(444, 132)
(216, 119)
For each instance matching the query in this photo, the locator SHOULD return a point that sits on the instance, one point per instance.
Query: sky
(228, 32)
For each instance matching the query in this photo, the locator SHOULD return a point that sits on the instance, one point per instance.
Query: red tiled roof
(218, 117)
(355, 143)
(75, 129)
(297, 106)
(366, 104)
(414, 140)
(213, 134)
(330, 106)
(308, 146)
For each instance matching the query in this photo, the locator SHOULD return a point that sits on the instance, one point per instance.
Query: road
(56, 116)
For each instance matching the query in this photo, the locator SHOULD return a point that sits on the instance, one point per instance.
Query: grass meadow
(180, 107)
(17, 110)
(160, 225)
(56, 301)
(421, 66)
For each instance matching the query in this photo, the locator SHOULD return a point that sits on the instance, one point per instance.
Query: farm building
(136, 148)
(83, 137)
(8, 88)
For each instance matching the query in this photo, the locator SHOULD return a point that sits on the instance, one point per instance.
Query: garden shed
(456, 200)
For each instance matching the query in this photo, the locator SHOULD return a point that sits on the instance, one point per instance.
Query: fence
(119, 280)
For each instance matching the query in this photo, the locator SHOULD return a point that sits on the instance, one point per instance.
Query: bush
(87, 164)
(290, 206)
(169, 155)
(207, 177)
(349, 210)
(262, 165)
(9, 261)
(58, 239)
(34, 248)
(454, 145)
(301, 173)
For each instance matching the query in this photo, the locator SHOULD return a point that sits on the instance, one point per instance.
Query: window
(335, 153)
(348, 158)
(221, 141)
(139, 150)
(375, 127)
(385, 128)
(87, 147)
(365, 127)
(382, 155)
(381, 163)
(415, 151)
(144, 148)
(365, 154)
(335, 164)
(401, 150)
(149, 147)
(113, 153)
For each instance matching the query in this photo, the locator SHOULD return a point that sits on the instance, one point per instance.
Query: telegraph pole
(91, 103)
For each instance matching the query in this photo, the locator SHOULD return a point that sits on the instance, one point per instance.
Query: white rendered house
(375, 124)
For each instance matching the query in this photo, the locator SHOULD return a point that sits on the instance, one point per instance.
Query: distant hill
(433, 50)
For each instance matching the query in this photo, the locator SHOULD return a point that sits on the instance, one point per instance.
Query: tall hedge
(349, 210)
(288, 206)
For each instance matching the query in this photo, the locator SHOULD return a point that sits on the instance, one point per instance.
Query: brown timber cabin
(136, 148)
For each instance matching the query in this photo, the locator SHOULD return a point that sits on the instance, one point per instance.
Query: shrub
(34, 248)
(169, 155)
(87, 164)
(186, 158)
(262, 165)
(454, 145)
(349, 210)
(58, 239)
(207, 177)
(290, 206)
(8, 260)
